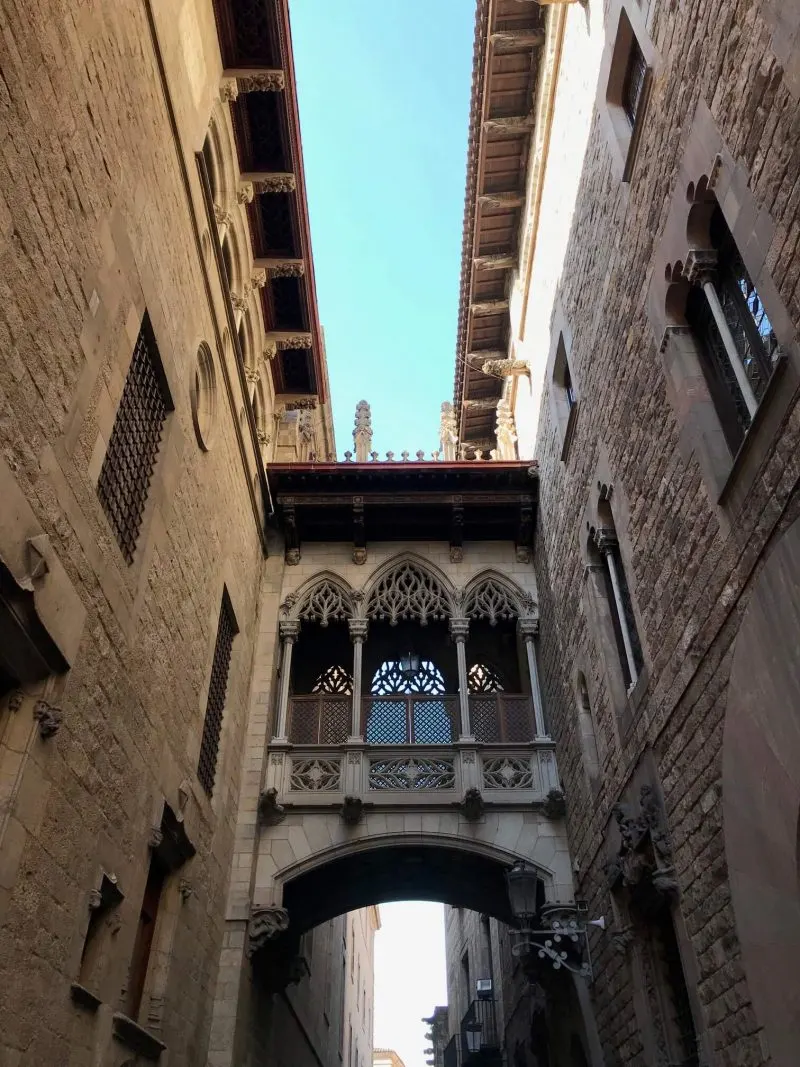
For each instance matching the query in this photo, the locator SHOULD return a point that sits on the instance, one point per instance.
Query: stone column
(358, 635)
(607, 542)
(459, 628)
(289, 631)
(528, 629)
(700, 270)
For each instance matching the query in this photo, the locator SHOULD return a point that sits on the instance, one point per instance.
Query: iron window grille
(634, 82)
(215, 706)
(135, 441)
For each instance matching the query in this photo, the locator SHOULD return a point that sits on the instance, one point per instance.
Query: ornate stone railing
(409, 774)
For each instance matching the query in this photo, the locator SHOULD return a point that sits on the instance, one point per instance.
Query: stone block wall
(692, 553)
(101, 219)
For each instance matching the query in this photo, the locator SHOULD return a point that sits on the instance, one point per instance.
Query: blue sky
(384, 99)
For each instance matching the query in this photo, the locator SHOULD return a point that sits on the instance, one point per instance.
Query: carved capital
(279, 182)
(264, 926)
(528, 628)
(605, 538)
(261, 81)
(48, 718)
(270, 351)
(258, 279)
(459, 629)
(222, 215)
(289, 629)
(700, 266)
(358, 629)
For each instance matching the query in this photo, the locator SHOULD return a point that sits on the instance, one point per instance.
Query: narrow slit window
(212, 725)
(135, 442)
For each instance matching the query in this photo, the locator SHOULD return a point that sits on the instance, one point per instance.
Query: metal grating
(502, 718)
(387, 721)
(411, 720)
(483, 719)
(134, 443)
(212, 726)
(435, 722)
(633, 85)
(319, 720)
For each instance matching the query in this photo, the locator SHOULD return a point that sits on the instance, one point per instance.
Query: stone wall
(691, 551)
(102, 219)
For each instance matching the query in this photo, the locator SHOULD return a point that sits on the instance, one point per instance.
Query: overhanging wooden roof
(508, 40)
(255, 35)
(367, 502)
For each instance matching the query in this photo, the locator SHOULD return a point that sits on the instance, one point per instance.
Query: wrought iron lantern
(472, 1035)
(410, 664)
(562, 935)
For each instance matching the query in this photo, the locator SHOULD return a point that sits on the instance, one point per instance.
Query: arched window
(484, 678)
(738, 361)
(390, 679)
(623, 619)
(334, 679)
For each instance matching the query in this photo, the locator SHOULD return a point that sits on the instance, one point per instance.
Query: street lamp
(409, 665)
(562, 933)
(472, 1032)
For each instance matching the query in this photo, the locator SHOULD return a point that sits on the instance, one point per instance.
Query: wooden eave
(507, 46)
(303, 368)
(494, 501)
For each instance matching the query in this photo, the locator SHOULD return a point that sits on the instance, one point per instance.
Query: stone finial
(362, 431)
(420, 455)
(448, 432)
(506, 431)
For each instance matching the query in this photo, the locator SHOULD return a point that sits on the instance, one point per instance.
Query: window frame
(629, 37)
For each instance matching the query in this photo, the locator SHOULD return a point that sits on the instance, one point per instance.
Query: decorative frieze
(298, 340)
(315, 775)
(255, 80)
(266, 182)
(410, 772)
(283, 268)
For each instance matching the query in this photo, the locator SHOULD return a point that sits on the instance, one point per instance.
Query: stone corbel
(270, 812)
(48, 717)
(265, 925)
(506, 368)
(510, 126)
(266, 182)
(489, 307)
(352, 810)
(228, 90)
(258, 279)
(270, 351)
(457, 531)
(254, 80)
(245, 193)
(298, 340)
(472, 805)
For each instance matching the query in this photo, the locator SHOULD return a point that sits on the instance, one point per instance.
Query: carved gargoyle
(473, 804)
(555, 805)
(270, 812)
(352, 810)
(48, 717)
(643, 861)
(265, 925)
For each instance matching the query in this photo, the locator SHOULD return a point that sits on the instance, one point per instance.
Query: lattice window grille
(315, 775)
(387, 722)
(134, 443)
(408, 593)
(490, 600)
(389, 679)
(412, 773)
(517, 719)
(334, 679)
(508, 772)
(633, 82)
(484, 678)
(484, 719)
(335, 721)
(433, 722)
(325, 603)
(215, 705)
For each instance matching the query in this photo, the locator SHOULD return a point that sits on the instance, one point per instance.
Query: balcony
(477, 1044)
(418, 719)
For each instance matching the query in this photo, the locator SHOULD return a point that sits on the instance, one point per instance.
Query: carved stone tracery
(325, 603)
(491, 600)
(408, 592)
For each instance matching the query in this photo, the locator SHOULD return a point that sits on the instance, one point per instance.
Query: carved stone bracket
(270, 812)
(258, 279)
(279, 182)
(299, 340)
(506, 368)
(155, 837)
(700, 266)
(286, 268)
(352, 810)
(228, 90)
(555, 805)
(265, 925)
(643, 863)
(489, 307)
(48, 717)
(14, 702)
(511, 126)
(270, 351)
(258, 81)
(473, 806)
(245, 193)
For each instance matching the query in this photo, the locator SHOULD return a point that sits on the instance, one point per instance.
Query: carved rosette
(264, 926)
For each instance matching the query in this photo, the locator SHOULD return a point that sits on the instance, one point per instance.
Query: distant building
(438, 1035)
(386, 1057)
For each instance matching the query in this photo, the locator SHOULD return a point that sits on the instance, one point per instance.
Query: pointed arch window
(484, 678)
(334, 679)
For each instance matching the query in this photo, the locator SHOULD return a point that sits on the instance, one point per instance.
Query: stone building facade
(148, 371)
(633, 222)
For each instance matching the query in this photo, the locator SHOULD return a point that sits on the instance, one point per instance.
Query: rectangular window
(135, 441)
(212, 726)
(633, 82)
